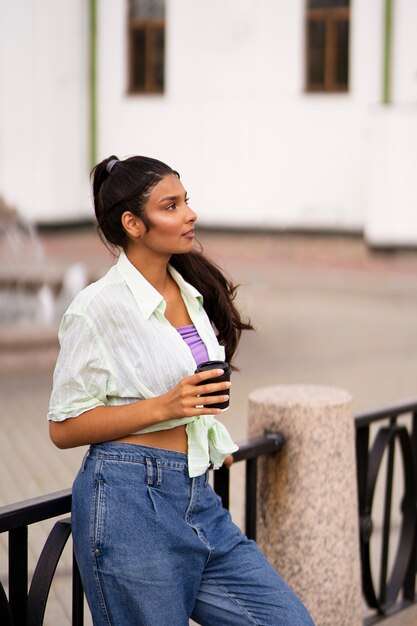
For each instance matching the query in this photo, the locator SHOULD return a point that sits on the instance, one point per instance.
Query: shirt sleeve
(81, 377)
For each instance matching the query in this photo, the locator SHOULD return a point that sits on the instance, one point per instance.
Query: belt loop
(149, 468)
(159, 472)
(206, 478)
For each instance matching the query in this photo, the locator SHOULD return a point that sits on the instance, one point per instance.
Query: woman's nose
(192, 217)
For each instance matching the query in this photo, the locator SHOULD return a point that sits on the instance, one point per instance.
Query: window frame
(331, 17)
(150, 27)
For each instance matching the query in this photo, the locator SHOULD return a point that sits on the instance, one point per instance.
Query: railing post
(307, 523)
(77, 595)
(221, 484)
(410, 581)
(251, 485)
(18, 575)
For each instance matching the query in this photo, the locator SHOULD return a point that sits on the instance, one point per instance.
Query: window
(146, 33)
(327, 45)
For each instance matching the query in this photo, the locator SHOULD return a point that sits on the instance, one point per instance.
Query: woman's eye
(170, 207)
(187, 199)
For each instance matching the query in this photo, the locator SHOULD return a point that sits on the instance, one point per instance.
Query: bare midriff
(172, 439)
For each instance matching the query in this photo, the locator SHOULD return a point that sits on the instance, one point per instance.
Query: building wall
(44, 108)
(253, 149)
(391, 200)
(405, 52)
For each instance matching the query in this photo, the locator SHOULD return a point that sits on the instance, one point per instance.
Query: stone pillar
(307, 503)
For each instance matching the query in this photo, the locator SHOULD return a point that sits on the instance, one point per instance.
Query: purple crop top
(194, 342)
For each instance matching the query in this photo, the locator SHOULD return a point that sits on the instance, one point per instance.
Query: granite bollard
(307, 522)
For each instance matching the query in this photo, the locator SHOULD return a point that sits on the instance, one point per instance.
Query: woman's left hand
(228, 460)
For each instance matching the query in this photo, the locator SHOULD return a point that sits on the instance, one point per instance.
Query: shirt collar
(190, 292)
(146, 296)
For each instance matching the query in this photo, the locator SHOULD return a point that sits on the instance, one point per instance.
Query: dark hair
(120, 186)
(219, 293)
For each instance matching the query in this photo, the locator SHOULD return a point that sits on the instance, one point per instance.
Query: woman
(152, 541)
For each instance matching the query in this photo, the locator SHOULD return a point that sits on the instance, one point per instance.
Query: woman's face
(172, 220)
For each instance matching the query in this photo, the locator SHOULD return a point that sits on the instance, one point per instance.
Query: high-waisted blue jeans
(155, 547)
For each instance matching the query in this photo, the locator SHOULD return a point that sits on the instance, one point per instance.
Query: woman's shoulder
(97, 293)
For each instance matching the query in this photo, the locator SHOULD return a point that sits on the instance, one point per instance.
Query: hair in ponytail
(219, 293)
(120, 186)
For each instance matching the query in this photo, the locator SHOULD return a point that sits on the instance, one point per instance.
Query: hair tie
(110, 165)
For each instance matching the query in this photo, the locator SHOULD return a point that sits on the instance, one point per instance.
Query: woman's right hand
(184, 399)
(108, 423)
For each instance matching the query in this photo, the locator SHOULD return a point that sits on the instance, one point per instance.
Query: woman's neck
(152, 267)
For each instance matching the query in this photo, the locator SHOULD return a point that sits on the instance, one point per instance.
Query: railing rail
(249, 452)
(35, 510)
(21, 608)
(396, 586)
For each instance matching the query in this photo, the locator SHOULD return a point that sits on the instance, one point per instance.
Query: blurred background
(294, 128)
(280, 114)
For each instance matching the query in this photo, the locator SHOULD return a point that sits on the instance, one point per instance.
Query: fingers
(192, 411)
(207, 400)
(192, 385)
(205, 410)
(212, 394)
(203, 390)
(190, 398)
(228, 460)
(195, 379)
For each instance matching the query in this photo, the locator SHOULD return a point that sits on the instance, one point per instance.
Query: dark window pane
(316, 37)
(327, 4)
(147, 9)
(138, 58)
(342, 56)
(159, 50)
(147, 43)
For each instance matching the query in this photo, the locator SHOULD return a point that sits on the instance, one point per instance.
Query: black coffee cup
(216, 365)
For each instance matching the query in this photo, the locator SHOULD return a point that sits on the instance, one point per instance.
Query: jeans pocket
(99, 511)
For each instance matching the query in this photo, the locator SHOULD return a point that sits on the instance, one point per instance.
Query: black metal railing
(380, 436)
(23, 608)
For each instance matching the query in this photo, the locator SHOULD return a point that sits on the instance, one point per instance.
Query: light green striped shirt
(118, 347)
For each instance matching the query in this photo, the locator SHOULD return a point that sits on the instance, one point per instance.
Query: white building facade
(234, 113)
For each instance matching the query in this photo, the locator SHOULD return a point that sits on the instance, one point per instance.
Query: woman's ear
(133, 225)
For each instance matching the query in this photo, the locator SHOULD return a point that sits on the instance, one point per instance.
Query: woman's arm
(107, 423)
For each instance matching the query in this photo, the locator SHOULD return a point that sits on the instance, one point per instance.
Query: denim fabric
(155, 547)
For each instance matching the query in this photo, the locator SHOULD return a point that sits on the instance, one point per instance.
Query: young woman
(152, 541)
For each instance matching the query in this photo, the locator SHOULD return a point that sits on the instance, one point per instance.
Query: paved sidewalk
(327, 311)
